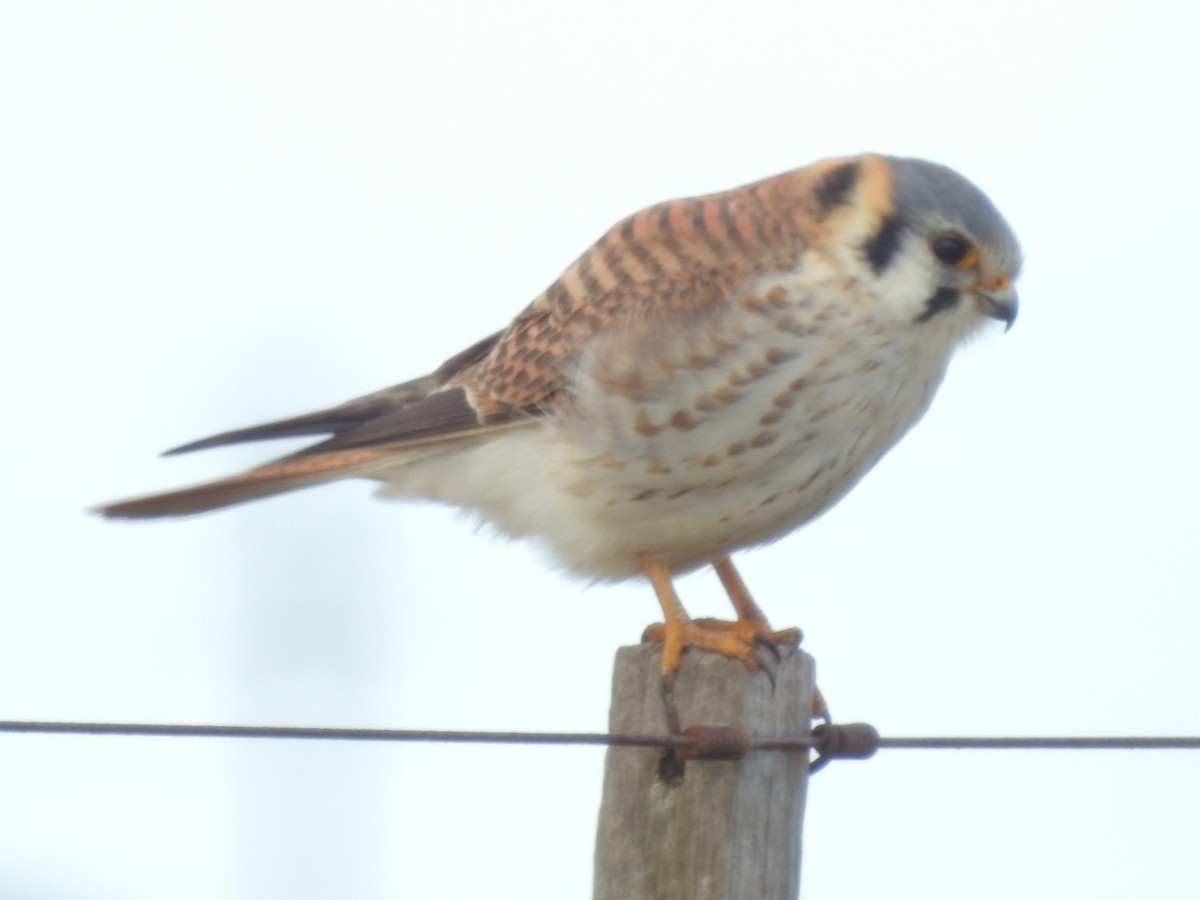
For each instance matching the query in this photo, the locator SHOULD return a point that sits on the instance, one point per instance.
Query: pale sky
(217, 213)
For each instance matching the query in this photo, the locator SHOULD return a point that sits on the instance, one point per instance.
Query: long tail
(274, 478)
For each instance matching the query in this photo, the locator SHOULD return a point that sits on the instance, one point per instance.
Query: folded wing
(669, 265)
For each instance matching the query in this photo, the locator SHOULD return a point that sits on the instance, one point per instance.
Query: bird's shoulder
(678, 263)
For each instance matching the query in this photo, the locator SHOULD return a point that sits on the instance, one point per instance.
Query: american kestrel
(710, 375)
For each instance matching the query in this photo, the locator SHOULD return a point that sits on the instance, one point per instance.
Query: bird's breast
(687, 440)
(737, 430)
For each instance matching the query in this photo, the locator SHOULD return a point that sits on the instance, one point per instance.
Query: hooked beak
(1001, 305)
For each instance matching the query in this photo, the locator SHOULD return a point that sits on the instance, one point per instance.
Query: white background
(217, 213)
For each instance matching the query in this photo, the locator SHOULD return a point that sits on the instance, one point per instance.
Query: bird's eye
(954, 251)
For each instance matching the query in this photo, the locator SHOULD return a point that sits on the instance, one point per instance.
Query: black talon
(670, 710)
(670, 766)
(770, 673)
(767, 667)
(769, 670)
(770, 646)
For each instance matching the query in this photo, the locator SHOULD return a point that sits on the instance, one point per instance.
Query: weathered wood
(729, 830)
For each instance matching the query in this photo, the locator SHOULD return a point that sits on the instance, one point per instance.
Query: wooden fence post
(728, 830)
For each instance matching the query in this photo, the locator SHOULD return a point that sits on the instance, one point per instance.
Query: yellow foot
(741, 640)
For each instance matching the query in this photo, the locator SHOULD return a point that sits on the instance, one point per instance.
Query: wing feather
(353, 413)
(676, 263)
(669, 264)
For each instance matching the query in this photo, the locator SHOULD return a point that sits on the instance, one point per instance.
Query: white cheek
(905, 286)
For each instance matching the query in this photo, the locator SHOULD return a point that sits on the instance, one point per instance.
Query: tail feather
(273, 478)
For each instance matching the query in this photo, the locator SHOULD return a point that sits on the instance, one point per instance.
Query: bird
(710, 375)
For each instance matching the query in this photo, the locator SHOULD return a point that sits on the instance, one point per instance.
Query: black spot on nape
(883, 246)
(944, 299)
(834, 187)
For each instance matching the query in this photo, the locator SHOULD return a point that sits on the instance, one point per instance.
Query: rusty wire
(695, 742)
(346, 734)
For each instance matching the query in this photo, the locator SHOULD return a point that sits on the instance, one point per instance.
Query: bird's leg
(737, 639)
(675, 619)
(748, 613)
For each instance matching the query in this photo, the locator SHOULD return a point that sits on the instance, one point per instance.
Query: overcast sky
(217, 213)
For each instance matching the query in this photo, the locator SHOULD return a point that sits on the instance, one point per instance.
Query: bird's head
(925, 241)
